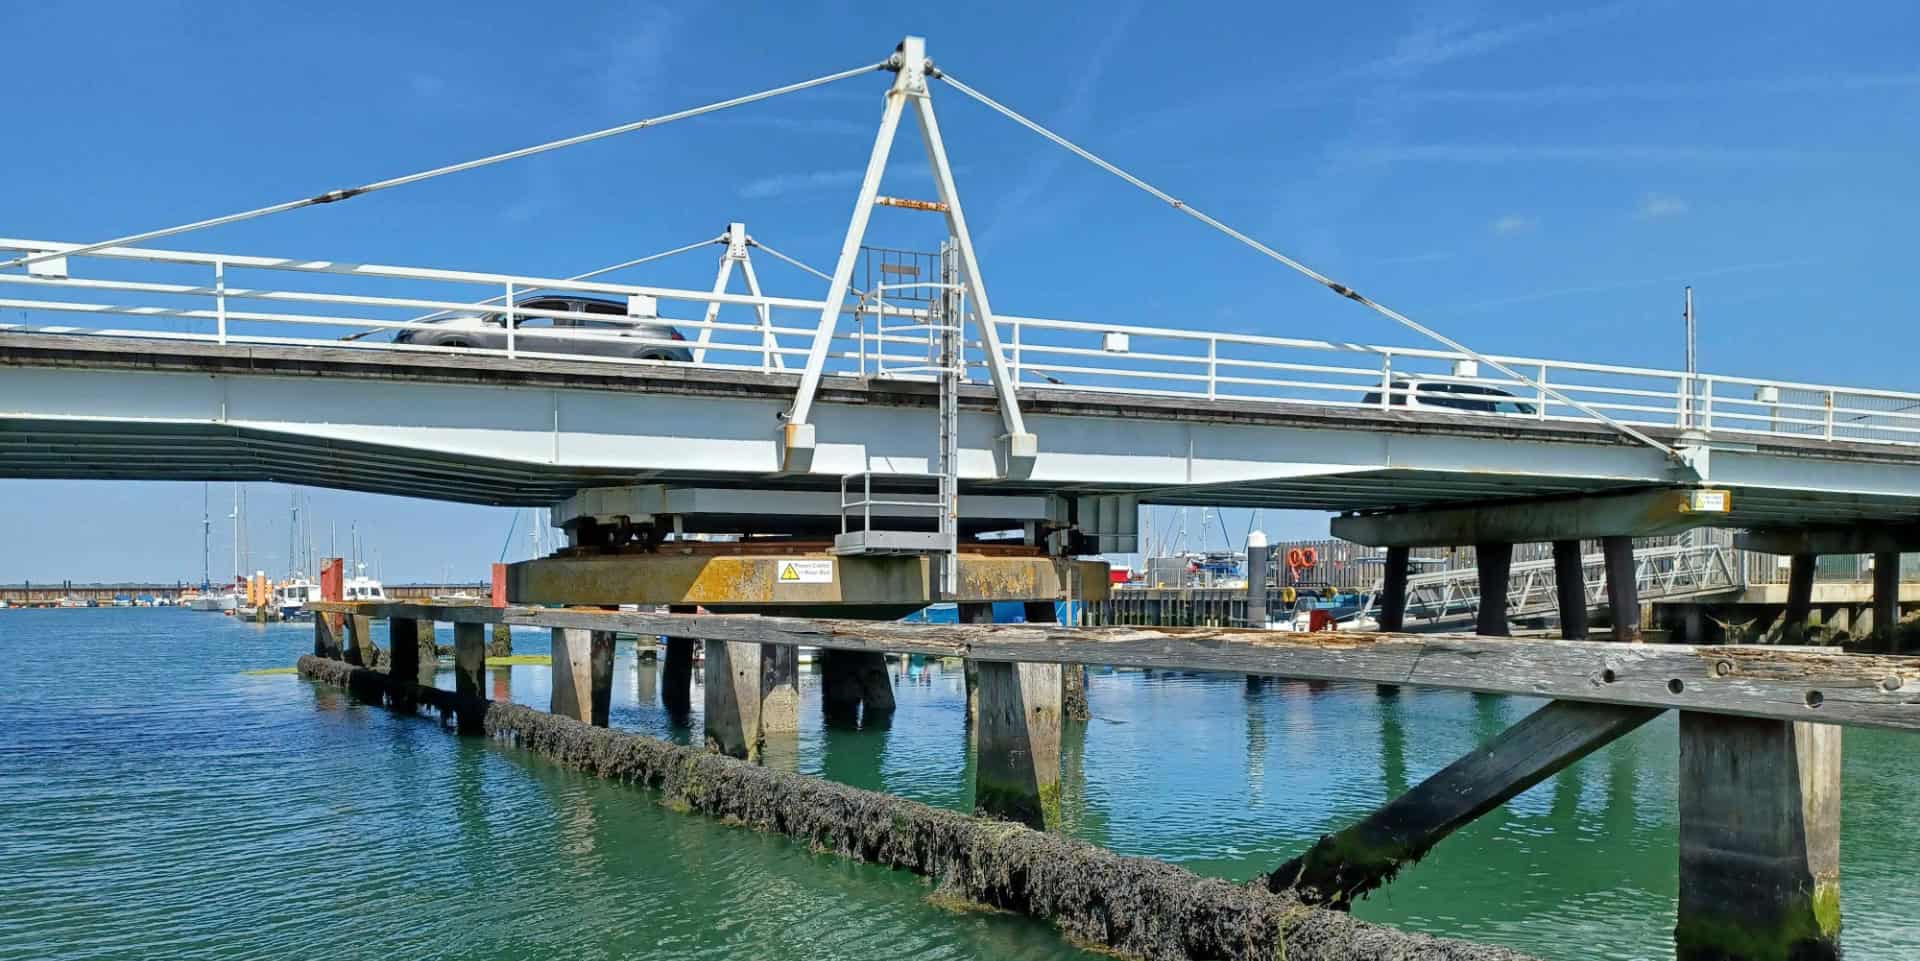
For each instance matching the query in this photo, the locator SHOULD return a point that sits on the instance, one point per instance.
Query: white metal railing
(1667, 571)
(229, 298)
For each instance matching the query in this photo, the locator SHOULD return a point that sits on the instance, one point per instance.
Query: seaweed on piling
(1131, 906)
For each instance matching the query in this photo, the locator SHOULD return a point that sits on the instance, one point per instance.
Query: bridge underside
(533, 433)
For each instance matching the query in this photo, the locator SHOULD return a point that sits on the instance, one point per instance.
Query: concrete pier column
(676, 675)
(1258, 560)
(1393, 590)
(732, 695)
(1793, 624)
(1759, 840)
(1073, 677)
(1495, 563)
(360, 649)
(1570, 584)
(469, 668)
(427, 642)
(326, 636)
(779, 688)
(1623, 588)
(1017, 743)
(1886, 597)
(582, 674)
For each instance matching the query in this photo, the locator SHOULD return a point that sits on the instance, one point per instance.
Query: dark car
(621, 334)
(1452, 396)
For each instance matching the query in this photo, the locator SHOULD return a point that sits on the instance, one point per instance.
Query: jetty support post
(326, 637)
(1073, 677)
(360, 649)
(676, 675)
(1495, 563)
(1623, 588)
(1344, 866)
(1799, 614)
(1886, 599)
(403, 658)
(1017, 743)
(1393, 590)
(1759, 839)
(469, 669)
(732, 698)
(582, 674)
(1570, 587)
(779, 688)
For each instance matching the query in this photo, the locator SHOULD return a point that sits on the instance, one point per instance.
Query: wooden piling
(1073, 677)
(779, 688)
(469, 670)
(1886, 598)
(403, 649)
(1570, 585)
(1017, 743)
(360, 648)
(676, 675)
(1495, 563)
(732, 695)
(582, 674)
(1759, 840)
(1623, 588)
(326, 636)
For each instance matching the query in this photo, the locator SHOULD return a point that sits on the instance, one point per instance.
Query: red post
(333, 588)
(499, 585)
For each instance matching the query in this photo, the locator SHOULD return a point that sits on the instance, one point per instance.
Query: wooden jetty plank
(1347, 865)
(1782, 683)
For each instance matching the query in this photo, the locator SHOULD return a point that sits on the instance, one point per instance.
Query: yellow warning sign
(805, 572)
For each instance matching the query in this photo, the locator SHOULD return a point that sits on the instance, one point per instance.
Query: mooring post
(1570, 585)
(676, 675)
(1886, 599)
(469, 667)
(1794, 623)
(403, 654)
(360, 649)
(1016, 770)
(1623, 588)
(1393, 589)
(1759, 840)
(732, 695)
(582, 674)
(1495, 564)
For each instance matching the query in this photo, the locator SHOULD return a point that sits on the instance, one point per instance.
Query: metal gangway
(1665, 572)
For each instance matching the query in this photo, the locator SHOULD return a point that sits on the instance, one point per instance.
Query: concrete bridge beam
(1636, 514)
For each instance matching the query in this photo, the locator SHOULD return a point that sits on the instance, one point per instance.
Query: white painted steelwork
(1665, 572)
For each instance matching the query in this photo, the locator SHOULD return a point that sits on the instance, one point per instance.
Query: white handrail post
(512, 319)
(1540, 408)
(1829, 415)
(1386, 380)
(1016, 352)
(1707, 406)
(1213, 367)
(220, 298)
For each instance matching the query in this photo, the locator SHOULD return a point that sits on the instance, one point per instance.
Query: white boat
(360, 587)
(225, 601)
(291, 597)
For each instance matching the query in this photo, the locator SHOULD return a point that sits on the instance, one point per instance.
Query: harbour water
(157, 800)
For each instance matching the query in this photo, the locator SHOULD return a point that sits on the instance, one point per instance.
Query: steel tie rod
(1325, 281)
(332, 196)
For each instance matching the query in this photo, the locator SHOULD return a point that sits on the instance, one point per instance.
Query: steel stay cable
(332, 196)
(1325, 281)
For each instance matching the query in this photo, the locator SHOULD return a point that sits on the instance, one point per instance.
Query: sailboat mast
(234, 519)
(206, 534)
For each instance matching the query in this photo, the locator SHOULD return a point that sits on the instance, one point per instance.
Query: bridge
(898, 440)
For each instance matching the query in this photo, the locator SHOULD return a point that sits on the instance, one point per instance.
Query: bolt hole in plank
(1608, 677)
(1676, 686)
(1815, 699)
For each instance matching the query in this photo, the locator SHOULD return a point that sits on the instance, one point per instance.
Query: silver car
(624, 332)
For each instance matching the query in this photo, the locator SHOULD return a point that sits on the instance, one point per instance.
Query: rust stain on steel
(732, 579)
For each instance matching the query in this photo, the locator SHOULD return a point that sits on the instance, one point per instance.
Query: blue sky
(1531, 179)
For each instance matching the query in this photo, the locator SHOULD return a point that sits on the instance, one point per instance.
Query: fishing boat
(290, 598)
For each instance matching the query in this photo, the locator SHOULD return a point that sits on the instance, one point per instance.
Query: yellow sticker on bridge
(806, 572)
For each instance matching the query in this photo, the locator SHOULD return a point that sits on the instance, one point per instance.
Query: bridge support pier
(1495, 563)
(1344, 866)
(1759, 840)
(1016, 771)
(582, 674)
(1073, 677)
(1393, 590)
(733, 679)
(1570, 586)
(469, 668)
(1623, 588)
(855, 683)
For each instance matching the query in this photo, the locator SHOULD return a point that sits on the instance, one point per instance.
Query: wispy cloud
(1441, 43)
(1506, 153)
(1660, 207)
(1512, 224)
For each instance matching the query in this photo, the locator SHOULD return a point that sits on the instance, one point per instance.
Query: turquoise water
(155, 801)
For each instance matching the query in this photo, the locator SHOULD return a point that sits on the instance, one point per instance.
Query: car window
(538, 323)
(602, 307)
